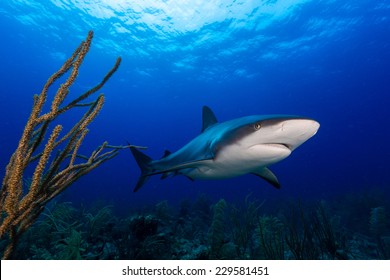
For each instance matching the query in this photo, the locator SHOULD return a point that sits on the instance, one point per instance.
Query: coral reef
(142, 227)
(217, 230)
(20, 208)
(378, 221)
(244, 221)
(301, 231)
(271, 238)
(378, 225)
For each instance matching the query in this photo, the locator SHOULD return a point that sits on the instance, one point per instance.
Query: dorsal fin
(166, 153)
(209, 118)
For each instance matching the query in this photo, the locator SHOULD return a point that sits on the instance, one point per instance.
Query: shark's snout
(295, 132)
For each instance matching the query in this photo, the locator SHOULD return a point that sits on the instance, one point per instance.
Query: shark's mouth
(280, 145)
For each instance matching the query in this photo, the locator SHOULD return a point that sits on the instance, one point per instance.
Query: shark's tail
(143, 162)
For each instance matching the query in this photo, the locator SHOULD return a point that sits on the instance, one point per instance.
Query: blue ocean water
(327, 60)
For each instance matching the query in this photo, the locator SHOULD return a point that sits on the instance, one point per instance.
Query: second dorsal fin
(209, 118)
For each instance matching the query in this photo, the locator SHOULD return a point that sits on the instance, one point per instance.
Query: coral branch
(53, 174)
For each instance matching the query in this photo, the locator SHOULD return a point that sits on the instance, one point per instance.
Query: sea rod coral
(55, 158)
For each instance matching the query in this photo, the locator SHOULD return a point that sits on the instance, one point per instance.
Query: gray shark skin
(232, 148)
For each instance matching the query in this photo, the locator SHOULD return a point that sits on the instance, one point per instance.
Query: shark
(246, 145)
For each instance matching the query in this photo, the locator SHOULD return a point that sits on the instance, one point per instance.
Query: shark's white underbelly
(234, 160)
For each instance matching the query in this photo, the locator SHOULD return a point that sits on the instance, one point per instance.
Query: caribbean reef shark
(232, 148)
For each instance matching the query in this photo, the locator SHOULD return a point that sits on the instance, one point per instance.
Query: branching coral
(217, 230)
(299, 235)
(56, 158)
(313, 235)
(243, 226)
(378, 225)
(378, 221)
(98, 222)
(71, 247)
(324, 231)
(271, 236)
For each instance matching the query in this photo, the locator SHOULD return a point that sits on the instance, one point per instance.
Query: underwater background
(327, 60)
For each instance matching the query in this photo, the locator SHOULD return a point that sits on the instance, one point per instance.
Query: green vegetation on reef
(201, 229)
(270, 236)
(217, 230)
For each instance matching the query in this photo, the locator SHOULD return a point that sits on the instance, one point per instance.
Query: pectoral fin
(267, 175)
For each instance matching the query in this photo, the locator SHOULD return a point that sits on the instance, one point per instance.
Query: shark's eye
(257, 126)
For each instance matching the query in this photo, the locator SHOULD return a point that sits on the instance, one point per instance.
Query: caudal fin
(143, 162)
